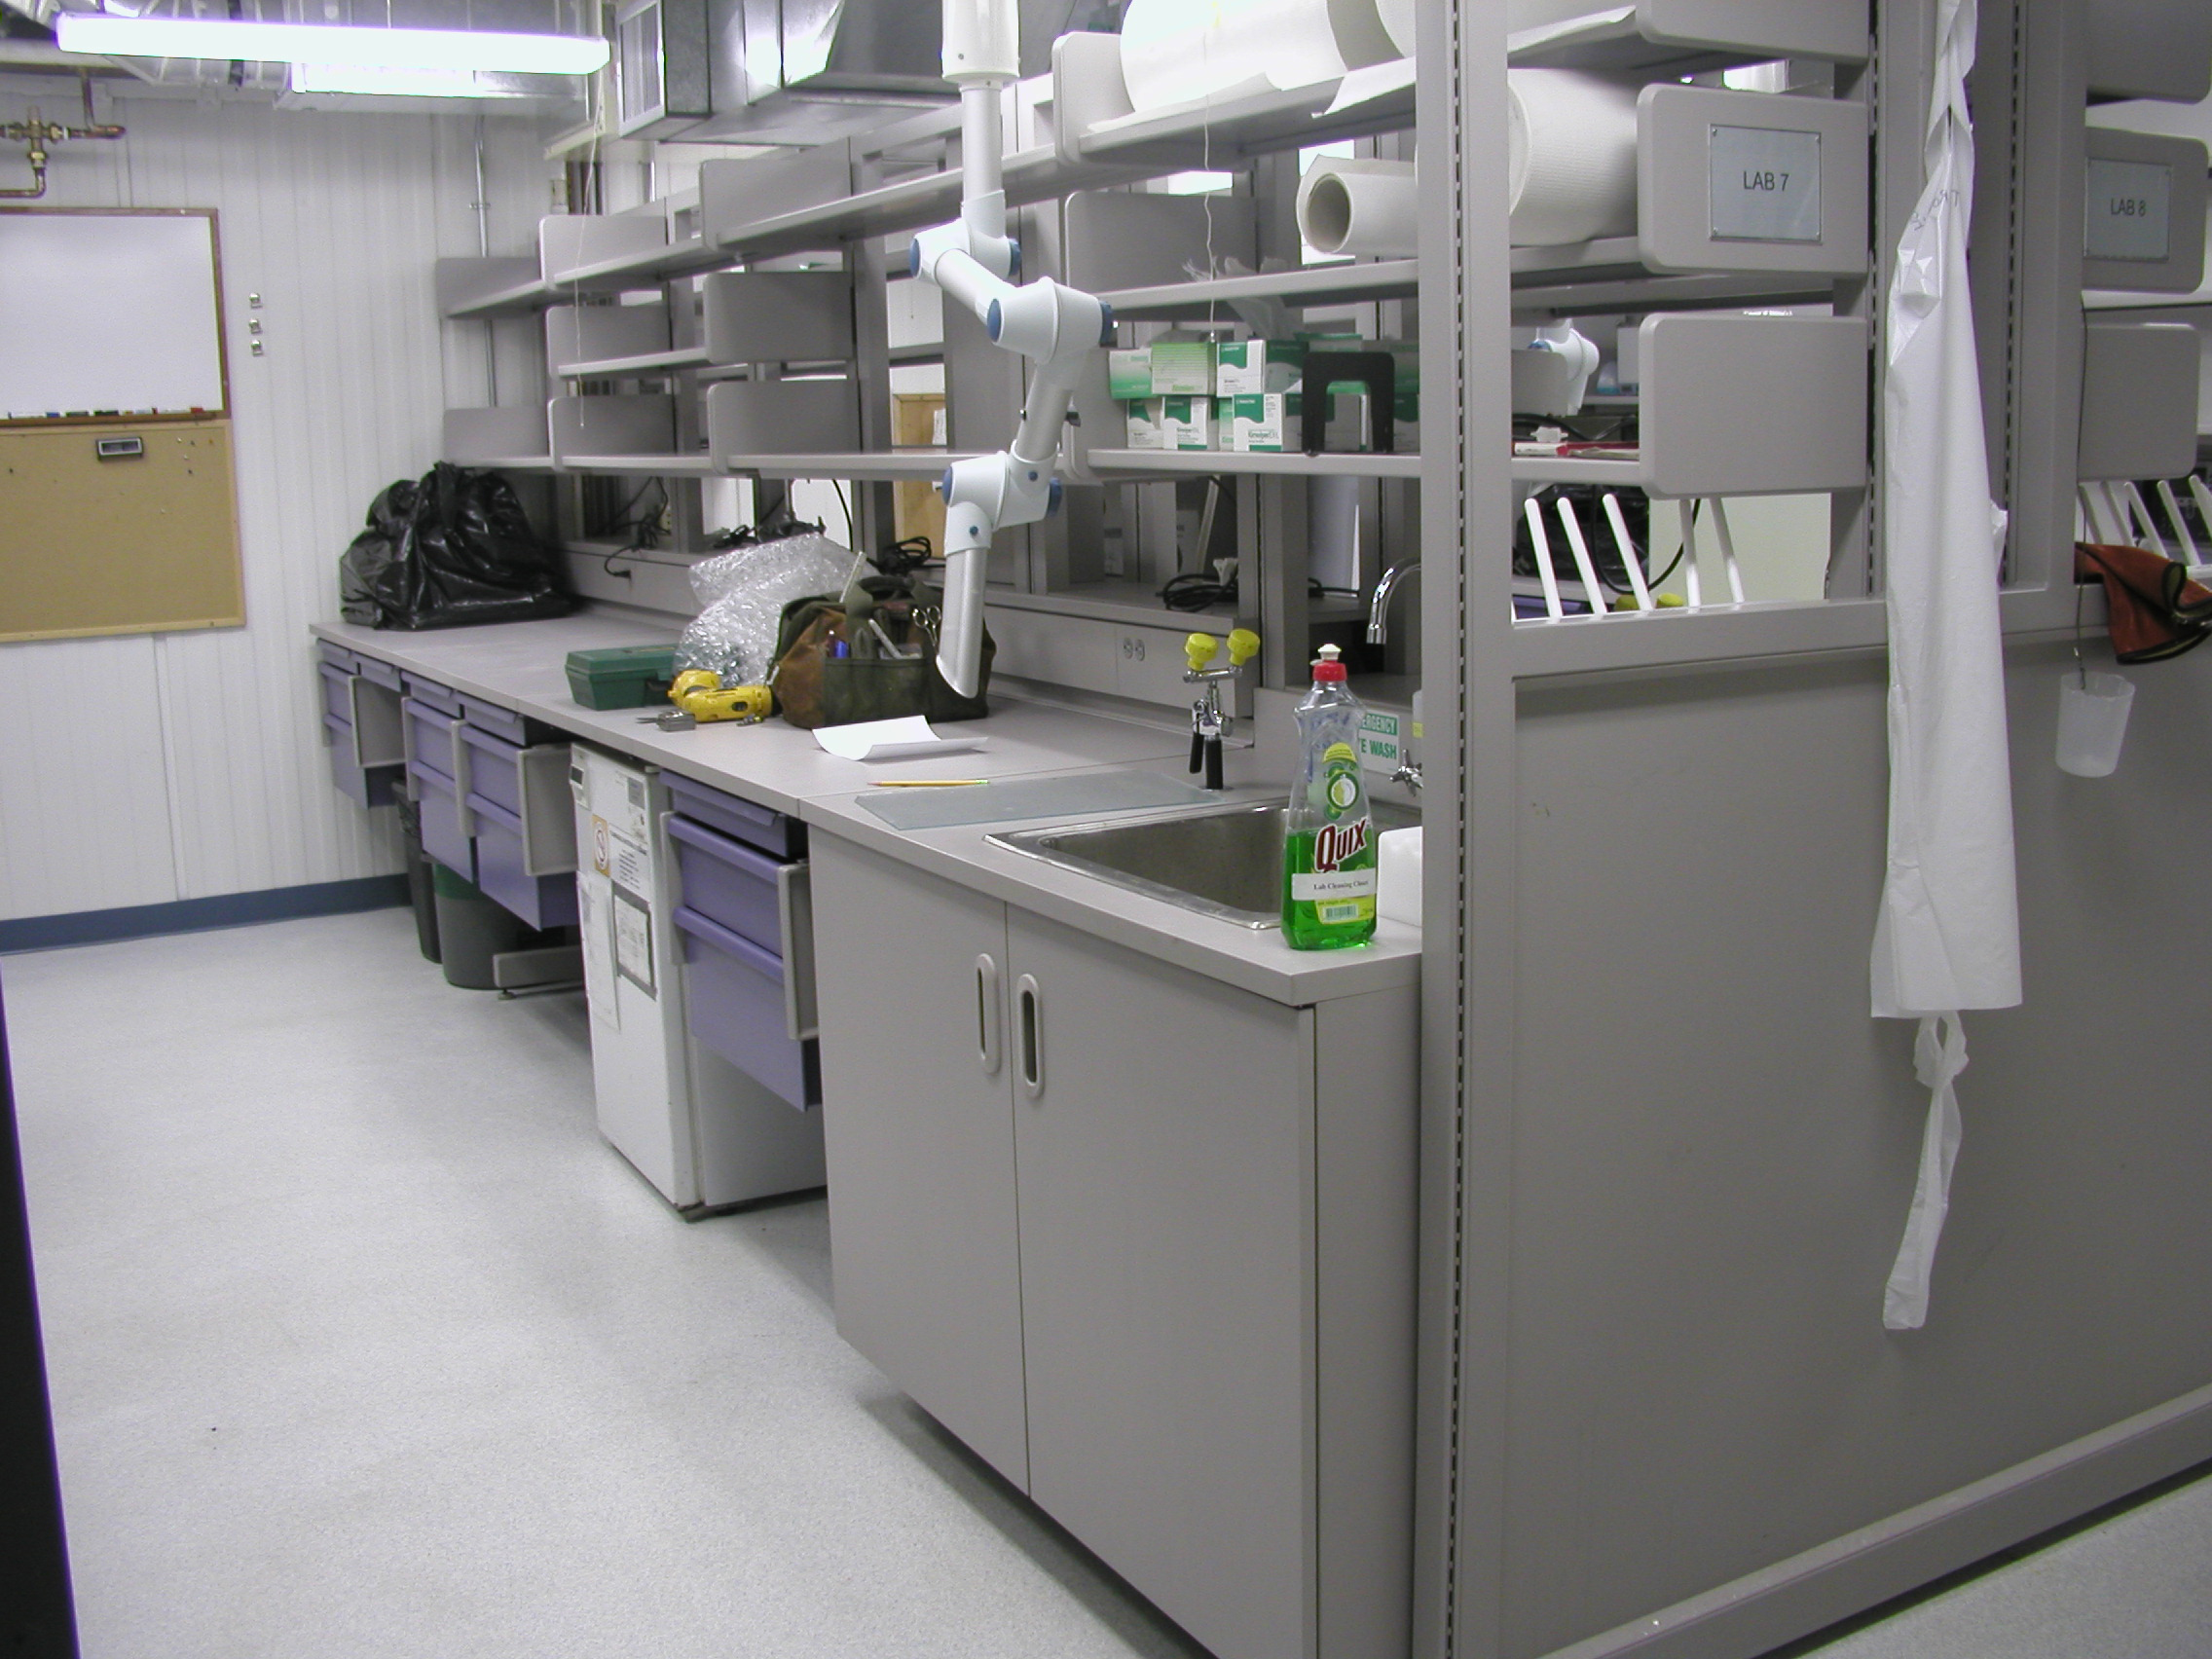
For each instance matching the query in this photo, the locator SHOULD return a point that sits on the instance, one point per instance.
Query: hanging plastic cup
(2093, 721)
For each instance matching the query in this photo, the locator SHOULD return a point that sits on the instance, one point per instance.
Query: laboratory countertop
(521, 666)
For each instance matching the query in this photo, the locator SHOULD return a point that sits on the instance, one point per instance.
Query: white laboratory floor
(363, 1343)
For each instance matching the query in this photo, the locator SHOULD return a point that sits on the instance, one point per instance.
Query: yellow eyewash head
(1198, 651)
(1244, 646)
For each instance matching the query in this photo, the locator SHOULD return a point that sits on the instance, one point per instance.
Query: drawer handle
(988, 1042)
(1031, 1019)
(795, 921)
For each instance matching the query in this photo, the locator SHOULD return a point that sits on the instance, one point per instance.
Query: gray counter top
(520, 666)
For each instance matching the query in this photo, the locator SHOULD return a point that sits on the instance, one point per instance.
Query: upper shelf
(645, 363)
(1310, 285)
(488, 287)
(1665, 39)
(1264, 463)
(687, 258)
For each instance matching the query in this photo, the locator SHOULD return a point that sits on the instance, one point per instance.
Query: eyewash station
(1549, 1272)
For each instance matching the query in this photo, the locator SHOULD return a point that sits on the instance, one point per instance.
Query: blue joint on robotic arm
(914, 257)
(991, 323)
(1053, 499)
(1105, 324)
(1013, 270)
(945, 485)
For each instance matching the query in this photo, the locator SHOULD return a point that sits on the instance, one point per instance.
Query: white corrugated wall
(137, 769)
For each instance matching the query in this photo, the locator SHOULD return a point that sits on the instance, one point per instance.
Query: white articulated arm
(1057, 327)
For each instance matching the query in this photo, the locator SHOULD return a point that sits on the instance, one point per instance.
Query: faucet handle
(1199, 650)
(1244, 646)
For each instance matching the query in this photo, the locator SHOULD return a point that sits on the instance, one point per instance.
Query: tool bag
(815, 688)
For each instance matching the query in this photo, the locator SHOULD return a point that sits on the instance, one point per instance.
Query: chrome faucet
(1209, 724)
(1385, 590)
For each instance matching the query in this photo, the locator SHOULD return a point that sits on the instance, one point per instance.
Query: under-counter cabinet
(1143, 1240)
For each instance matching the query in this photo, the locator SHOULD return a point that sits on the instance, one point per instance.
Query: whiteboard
(109, 314)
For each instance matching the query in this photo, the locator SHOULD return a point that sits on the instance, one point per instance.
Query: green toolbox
(621, 676)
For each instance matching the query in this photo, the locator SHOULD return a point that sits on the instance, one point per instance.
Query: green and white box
(1172, 423)
(1166, 368)
(1242, 366)
(1259, 420)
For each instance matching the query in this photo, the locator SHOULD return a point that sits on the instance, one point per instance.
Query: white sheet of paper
(1360, 85)
(890, 740)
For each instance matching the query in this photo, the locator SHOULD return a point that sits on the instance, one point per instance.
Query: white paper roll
(1176, 52)
(1397, 18)
(1571, 156)
(1348, 206)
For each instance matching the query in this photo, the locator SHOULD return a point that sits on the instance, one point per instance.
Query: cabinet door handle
(987, 1040)
(1029, 1015)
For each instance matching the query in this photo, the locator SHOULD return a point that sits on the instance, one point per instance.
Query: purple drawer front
(771, 831)
(443, 838)
(337, 693)
(491, 717)
(441, 697)
(541, 900)
(733, 998)
(728, 882)
(377, 785)
(338, 656)
(382, 672)
(494, 770)
(430, 733)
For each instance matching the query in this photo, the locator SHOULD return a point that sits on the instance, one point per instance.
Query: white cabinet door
(1164, 1127)
(917, 1120)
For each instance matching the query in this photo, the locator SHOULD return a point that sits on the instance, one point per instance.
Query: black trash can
(421, 892)
(473, 930)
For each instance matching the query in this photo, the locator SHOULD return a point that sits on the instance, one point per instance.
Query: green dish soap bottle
(1329, 852)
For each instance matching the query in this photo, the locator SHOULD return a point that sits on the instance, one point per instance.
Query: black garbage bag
(453, 549)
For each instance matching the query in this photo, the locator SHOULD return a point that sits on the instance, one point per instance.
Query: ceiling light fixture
(332, 44)
(399, 83)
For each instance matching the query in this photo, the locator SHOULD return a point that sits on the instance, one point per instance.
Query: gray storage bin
(778, 316)
(782, 416)
(541, 900)
(763, 826)
(734, 1000)
(728, 882)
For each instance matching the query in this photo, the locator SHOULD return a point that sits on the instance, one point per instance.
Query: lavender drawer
(728, 882)
(430, 737)
(444, 698)
(541, 900)
(383, 673)
(734, 1000)
(491, 717)
(338, 657)
(494, 767)
(367, 785)
(443, 836)
(769, 830)
(337, 693)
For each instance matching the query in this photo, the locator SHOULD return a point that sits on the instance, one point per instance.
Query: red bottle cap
(1327, 670)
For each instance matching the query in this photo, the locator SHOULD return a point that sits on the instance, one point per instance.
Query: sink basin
(1224, 862)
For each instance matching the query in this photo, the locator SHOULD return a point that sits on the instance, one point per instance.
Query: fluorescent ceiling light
(331, 44)
(398, 83)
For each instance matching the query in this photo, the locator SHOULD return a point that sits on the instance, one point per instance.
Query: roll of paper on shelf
(1347, 204)
(1571, 156)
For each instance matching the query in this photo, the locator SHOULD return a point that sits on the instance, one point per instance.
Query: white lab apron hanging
(1948, 936)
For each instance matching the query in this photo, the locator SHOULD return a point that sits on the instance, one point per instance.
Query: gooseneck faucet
(1208, 725)
(1385, 589)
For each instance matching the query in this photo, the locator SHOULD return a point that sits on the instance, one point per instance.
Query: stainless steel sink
(1224, 862)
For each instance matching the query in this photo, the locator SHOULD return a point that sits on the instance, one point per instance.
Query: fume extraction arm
(1057, 327)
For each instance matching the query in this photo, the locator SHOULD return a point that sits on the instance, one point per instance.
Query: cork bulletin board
(118, 504)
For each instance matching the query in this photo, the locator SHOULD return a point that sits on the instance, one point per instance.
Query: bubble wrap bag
(741, 595)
